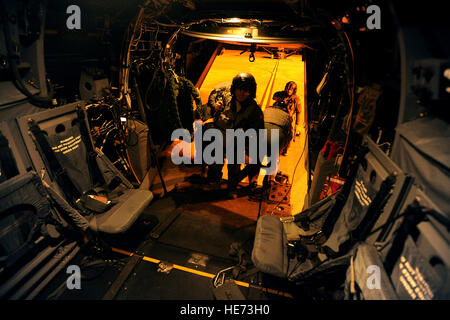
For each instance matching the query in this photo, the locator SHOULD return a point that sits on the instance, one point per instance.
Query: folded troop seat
(415, 262)
(61, 149)
(23, 210)
(324, 235)
(30, 240)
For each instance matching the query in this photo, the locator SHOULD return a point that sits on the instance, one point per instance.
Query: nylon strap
(58, 172)
(97, 176)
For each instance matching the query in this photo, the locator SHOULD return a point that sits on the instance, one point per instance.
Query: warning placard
(68, 145)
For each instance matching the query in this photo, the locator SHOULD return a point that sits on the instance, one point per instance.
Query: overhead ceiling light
(232, 20)
(239, 30)
(248, 37)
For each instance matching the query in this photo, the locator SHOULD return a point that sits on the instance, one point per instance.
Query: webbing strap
(97, 176)
(375, 209)
(413, 215)
(57, 171)
(342, 196)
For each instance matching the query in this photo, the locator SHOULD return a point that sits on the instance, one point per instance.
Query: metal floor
(196, 242)
(192, 222)
(195, 246)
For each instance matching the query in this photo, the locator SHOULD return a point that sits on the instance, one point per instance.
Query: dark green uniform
(279, 117)
(217, 100)
(249, 116)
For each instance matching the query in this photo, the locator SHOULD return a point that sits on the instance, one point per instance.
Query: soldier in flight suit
(218, 98)
(294, 106)
(277, 117)
(239, 112)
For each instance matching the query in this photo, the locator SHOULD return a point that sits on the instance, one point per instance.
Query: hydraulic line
(352, 98)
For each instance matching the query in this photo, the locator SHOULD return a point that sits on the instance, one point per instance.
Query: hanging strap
(375, 210)
(413, 215)
(97, 176)
(342, 196)
(59, 173)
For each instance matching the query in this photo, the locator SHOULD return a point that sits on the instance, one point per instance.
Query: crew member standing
(294, 105)
(277, 117)
(219, 97)
(242, 112)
